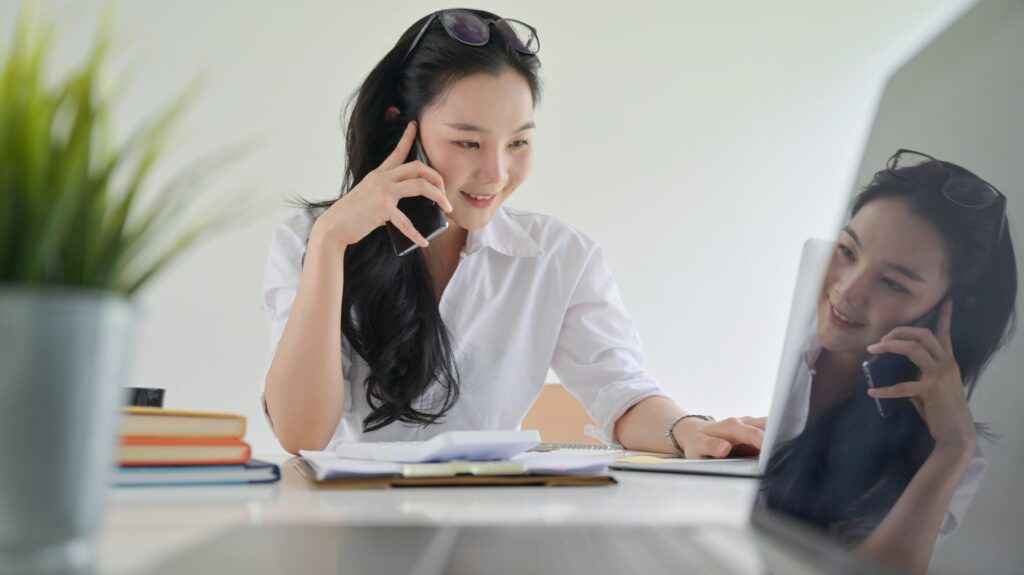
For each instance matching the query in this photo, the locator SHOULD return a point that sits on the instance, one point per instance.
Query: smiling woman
(461, 333)
(924, 275)
(876, 284)
(479, 138)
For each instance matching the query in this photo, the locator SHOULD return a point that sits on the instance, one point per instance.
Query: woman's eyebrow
(852, 234)
(466, 127)
(893, 266)
(905, 271)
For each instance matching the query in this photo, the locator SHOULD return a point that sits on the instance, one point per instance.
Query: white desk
(145, 526)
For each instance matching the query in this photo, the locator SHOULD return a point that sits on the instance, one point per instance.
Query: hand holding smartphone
(888, 369)
(426, 216)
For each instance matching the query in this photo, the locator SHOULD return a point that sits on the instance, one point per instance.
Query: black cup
(145, 397)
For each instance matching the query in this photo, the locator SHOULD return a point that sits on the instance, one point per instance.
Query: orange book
(159, 422)
(162, 451)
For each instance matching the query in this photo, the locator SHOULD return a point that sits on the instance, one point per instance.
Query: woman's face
(889, 269)
(479, 136)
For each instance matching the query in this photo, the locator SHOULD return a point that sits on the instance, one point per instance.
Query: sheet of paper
(554, 464)
(327, 465)
(487, 445)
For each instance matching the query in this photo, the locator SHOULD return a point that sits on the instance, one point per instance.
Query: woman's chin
(473, 223)
(837, 341)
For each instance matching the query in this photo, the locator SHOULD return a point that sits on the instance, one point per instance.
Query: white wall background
(699, 142)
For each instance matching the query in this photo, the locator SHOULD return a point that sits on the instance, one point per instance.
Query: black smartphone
(888, 369)
(426, 216)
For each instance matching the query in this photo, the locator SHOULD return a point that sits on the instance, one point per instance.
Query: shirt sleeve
(964, 494)
(281, 283)
(598, 355)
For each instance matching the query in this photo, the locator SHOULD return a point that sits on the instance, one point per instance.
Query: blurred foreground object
(77, 240)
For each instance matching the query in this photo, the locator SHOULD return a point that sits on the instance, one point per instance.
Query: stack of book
(173, 447)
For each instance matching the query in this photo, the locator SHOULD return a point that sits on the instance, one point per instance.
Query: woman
(459, 334)
(924, 269)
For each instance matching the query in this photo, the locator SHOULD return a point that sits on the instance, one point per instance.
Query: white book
(447, 446)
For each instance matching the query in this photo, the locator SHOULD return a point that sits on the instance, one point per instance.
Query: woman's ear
(392, 113)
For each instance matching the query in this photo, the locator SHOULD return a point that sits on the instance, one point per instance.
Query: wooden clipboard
(452, 481)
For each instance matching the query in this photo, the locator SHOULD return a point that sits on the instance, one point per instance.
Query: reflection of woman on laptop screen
(923, 273)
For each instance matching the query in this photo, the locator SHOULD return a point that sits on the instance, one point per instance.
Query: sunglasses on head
(962, 188)
(473, 30)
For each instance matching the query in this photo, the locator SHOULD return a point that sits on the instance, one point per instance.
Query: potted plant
(79, 236)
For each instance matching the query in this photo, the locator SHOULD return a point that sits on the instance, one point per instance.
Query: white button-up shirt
(793, 420)
(529, 293)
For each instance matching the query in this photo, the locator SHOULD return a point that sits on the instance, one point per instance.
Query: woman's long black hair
(390, 314)
(849, 466)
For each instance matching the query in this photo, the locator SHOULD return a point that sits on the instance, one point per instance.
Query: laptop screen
(898, 432)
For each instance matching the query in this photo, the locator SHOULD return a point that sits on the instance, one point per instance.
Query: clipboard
(392, 481)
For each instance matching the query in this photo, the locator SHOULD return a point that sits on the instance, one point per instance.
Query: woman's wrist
(322, 241)
(954, 456)
(687, 428)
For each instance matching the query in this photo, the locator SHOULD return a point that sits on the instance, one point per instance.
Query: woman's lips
(841, 322)
(479, 201)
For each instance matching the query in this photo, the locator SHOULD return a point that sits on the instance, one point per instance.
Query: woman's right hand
(374, 202)
(938, 394)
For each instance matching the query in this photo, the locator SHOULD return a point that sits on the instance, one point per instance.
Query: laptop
(814, 261)
(958, 99)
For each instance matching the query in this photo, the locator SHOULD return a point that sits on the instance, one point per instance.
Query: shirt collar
(504, 235)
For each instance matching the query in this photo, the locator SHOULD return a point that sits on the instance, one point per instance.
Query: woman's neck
(835, 377)
(442, 257)
(844, 365)
(449, 244)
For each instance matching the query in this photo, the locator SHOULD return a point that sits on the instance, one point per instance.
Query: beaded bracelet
(672, 426)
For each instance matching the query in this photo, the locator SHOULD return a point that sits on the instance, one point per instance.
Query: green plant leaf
(71, 202)
(171, 204)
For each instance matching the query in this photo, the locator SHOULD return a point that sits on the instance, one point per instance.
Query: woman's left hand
(938, 395)
(736, 437)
